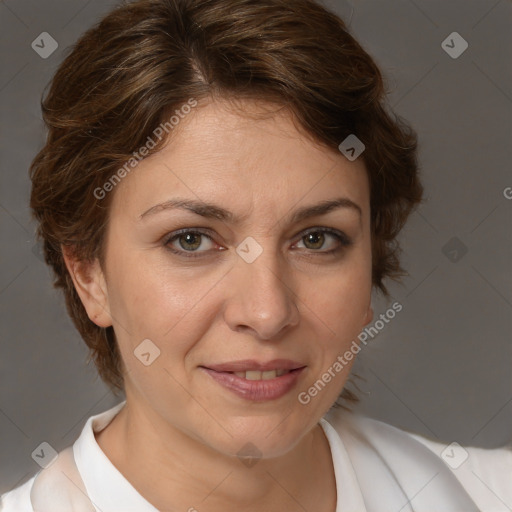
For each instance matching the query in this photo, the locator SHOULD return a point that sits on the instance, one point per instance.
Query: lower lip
(256, 390)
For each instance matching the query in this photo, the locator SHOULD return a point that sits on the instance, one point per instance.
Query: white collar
(107, 488)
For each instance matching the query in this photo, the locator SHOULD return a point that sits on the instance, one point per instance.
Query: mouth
(248, 380)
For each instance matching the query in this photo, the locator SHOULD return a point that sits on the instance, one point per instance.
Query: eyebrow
(212, 211)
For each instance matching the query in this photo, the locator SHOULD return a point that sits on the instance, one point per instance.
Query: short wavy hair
(145, 59)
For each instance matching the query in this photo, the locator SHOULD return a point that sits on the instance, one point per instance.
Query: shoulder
(59, 486)
(484, 474)
(18, 500)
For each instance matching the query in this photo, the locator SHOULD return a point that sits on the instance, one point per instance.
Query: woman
(220, 190)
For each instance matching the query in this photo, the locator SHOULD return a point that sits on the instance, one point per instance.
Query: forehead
(252, 160)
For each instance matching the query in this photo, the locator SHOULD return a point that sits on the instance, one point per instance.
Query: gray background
(442, 367)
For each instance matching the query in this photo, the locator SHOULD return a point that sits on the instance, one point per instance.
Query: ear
(91, 286)
(368, 316)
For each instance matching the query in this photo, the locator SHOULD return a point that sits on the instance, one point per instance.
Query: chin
(262, 437)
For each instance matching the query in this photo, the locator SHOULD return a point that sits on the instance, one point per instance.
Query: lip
(256, 390)
(252, 364)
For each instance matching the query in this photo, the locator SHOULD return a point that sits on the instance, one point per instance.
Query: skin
(182, 429)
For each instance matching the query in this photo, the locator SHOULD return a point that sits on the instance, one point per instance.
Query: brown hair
(145, 59)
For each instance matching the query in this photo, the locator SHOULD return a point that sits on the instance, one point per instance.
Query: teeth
(254, 375)
(257, 375)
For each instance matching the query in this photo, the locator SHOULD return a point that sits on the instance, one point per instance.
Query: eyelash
(341, 237)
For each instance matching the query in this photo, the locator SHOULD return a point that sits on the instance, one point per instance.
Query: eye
(331, 240)
(188, 241)
(194, 243)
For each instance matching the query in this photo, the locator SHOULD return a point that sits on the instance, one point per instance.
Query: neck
(173, 471)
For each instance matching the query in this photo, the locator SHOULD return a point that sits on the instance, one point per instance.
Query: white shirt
(377, 468)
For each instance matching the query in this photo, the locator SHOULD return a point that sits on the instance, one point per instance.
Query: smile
(256, 385)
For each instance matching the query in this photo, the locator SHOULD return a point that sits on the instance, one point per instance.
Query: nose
(261, 300)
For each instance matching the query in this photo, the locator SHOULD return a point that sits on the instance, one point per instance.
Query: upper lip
(252, 364)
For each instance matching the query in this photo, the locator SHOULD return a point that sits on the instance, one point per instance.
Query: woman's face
(244, 278)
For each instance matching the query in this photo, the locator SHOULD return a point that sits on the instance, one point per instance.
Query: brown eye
(325, 240)
(188, 242)
(314, 240)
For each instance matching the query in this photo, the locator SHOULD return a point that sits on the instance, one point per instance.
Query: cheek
(150, 300)
(341, 301)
